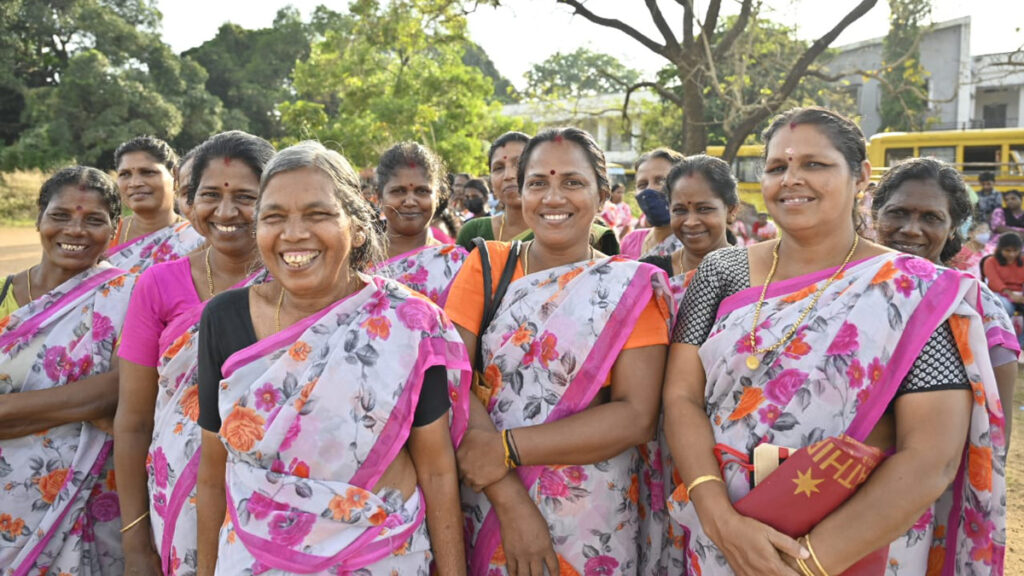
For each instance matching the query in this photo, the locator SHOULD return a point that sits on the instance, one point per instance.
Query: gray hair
(312, 154)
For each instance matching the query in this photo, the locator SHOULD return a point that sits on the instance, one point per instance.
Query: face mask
(983, 237)
(475, 204)
(654, 205)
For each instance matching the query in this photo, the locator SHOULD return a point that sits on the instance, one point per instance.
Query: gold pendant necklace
(501, 228)
(209, 274)
(753, 362)
(28, 279)
(277, 312)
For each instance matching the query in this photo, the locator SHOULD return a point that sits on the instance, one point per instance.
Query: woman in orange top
(573, 358)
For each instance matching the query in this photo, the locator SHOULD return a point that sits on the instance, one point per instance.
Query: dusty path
(19, 249)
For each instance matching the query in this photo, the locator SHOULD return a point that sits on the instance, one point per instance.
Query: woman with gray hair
(332, 456)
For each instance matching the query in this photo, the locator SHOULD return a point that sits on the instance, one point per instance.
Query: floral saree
(172, 464)
(634, 243)
(838, 375)
(548, 351)
(303, 456)
(59, 510)
(428, 270)
(163, 245)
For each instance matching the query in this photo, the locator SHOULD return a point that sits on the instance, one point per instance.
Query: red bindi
(792, 125)
(412, 165)
(552, 172)
(227, 161)
(78, 208)
(227, 184)
(558, 139)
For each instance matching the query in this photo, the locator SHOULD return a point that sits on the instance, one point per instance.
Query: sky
(521, 33)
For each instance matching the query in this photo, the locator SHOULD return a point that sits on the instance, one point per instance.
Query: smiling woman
(59, 325)
(153, 233)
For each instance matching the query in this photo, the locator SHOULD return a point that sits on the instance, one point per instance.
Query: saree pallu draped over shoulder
(838, 375)
(428, 270)
(313, 416)
(548, 351)
(163, 245)
(172, 463)
(59, 511)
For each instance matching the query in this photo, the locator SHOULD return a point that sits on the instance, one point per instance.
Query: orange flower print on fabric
(749, 402)
(522, 335)
(377, 327)
(979, 467)
(978, 391)
(959, 326)
(634, 489)
(886, 273)
(49, 486)
(800, 295)
(4, 322)
(11, 526)
(177, 345)
(936, 560)
(242, 428)
(300, 351)
(378, 517)
(566, 569)
(498, 559)
(190, 403)
(343, 506)
(300, 402)
(564, 279)
(111, 482)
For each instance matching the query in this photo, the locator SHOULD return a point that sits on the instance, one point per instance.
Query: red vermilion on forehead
(227, 161)
(81, 187)
(227, 184)
(559, 138)
(78, 208)
(792, 125)
(412, 165)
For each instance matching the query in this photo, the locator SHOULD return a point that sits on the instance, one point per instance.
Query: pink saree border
(182, 488)
(112, 251)
(32, 324)
(581, 391)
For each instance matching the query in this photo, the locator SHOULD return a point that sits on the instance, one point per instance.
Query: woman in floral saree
(573, 357)
(157, 450)
(409, 177)
(325, 397)
(919, 207)
(883, 347)
(59, 325)
(154, 233)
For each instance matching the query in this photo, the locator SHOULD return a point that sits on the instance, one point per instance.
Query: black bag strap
(491, 302)
(7, 286)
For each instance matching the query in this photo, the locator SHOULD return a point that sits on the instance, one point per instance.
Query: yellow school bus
(997, 150)
(747, 167)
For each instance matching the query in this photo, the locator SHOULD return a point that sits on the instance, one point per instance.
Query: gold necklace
(28, 279)
(209, 274)
(526, 257)
(678, 260)
(752, 361)
(127, 230)
(277, 313)
(501, 228)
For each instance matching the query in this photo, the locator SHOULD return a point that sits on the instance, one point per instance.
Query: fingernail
(804, 554)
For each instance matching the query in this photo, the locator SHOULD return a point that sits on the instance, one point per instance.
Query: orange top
(465, 304)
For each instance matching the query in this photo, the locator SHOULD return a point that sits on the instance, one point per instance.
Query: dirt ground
(19, 249)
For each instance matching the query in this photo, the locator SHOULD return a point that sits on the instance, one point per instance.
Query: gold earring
(860, 195)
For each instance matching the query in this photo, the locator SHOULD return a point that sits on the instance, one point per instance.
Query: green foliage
(250, 70)
(18, 194)
(581, 73)
(904, 103)
(80, 76)
(390, 72)
(476, 57)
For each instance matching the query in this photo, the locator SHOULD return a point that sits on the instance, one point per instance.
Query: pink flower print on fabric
(163, 253)
(923, 522)
(575, 474)
(904, 285)
(378, 304)
(160, 467)
(769, 414)
(600, 566)
(743, 344)
(845, 341)
(160, 503)
(856, 374)
(418, 277)
(293, 432)
(105, 507)
(917, 267)
(416, 314)
(57, 363)
(544, 349)
(552, 484)
(102, 327)
(267, 397)
(978, 528)
(290, 528)
(260, 506)
(781, 389)
(875, 371)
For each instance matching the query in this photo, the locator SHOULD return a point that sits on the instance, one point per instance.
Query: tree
(476, 57)
(77, 77)
(694, 60)
(394, 72)
(581, 73)
(903, 78)
(250, 70)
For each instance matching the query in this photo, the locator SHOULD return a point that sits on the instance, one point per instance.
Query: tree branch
(710, 18)
(738, 27)
(661, 90)
(671, 43)
(619, 25)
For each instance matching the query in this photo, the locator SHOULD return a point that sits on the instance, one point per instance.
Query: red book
(810, 484)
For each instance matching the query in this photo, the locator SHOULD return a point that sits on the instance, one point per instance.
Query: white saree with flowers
(172, 463)
(548, 352)
(838, 375)
(428, 270)
(59, 511)
(163, 245)
(313, 416)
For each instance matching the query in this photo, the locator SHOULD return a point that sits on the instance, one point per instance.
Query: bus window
(748, 168)
(894, 155)
(981, 158)
(944, 153)
(1016, 160)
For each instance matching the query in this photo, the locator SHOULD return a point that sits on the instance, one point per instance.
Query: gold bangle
(807, 540)
(134, 522)
(803, 567)
(510, 464)
(702, 479)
